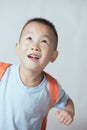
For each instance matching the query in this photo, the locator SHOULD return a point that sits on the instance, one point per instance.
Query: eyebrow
(41, 35)
(28, 33)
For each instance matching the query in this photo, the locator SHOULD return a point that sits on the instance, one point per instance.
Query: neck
(29, 78)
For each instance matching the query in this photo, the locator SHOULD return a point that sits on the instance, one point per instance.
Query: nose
(35, 47)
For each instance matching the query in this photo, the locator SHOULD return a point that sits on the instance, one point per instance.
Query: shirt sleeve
(62, 100)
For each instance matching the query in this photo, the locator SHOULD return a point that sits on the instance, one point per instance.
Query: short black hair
(45, 22)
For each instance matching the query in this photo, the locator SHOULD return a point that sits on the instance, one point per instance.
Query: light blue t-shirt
(22, 107)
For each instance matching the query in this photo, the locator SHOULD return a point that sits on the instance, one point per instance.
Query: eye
(29, 38)
(44, 41)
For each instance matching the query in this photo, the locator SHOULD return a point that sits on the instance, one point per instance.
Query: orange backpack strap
(54, 93)
(54, 89)
(3, 67)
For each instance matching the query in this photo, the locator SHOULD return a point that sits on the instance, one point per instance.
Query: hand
(64, 116)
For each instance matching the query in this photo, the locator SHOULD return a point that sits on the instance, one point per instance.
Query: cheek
(47, 56)
(23, 48)
(21, 51)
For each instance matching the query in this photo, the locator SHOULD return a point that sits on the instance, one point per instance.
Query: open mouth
(33, 57)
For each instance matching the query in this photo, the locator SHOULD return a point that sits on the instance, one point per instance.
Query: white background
(70, 19)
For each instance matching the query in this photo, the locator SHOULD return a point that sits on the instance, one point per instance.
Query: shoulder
(53, 86)
(5, 69)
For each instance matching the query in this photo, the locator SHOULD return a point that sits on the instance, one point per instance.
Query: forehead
(38, 28)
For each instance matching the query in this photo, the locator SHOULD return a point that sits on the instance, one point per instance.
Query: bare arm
(66, 116)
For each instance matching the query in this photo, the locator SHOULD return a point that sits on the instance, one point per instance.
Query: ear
(54, 56)
(17, 48)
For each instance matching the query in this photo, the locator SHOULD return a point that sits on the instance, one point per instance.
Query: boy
(24, 89)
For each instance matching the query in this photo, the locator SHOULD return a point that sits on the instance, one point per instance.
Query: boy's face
(36, 47)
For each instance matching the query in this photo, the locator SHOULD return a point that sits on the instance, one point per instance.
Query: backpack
(53, 87)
